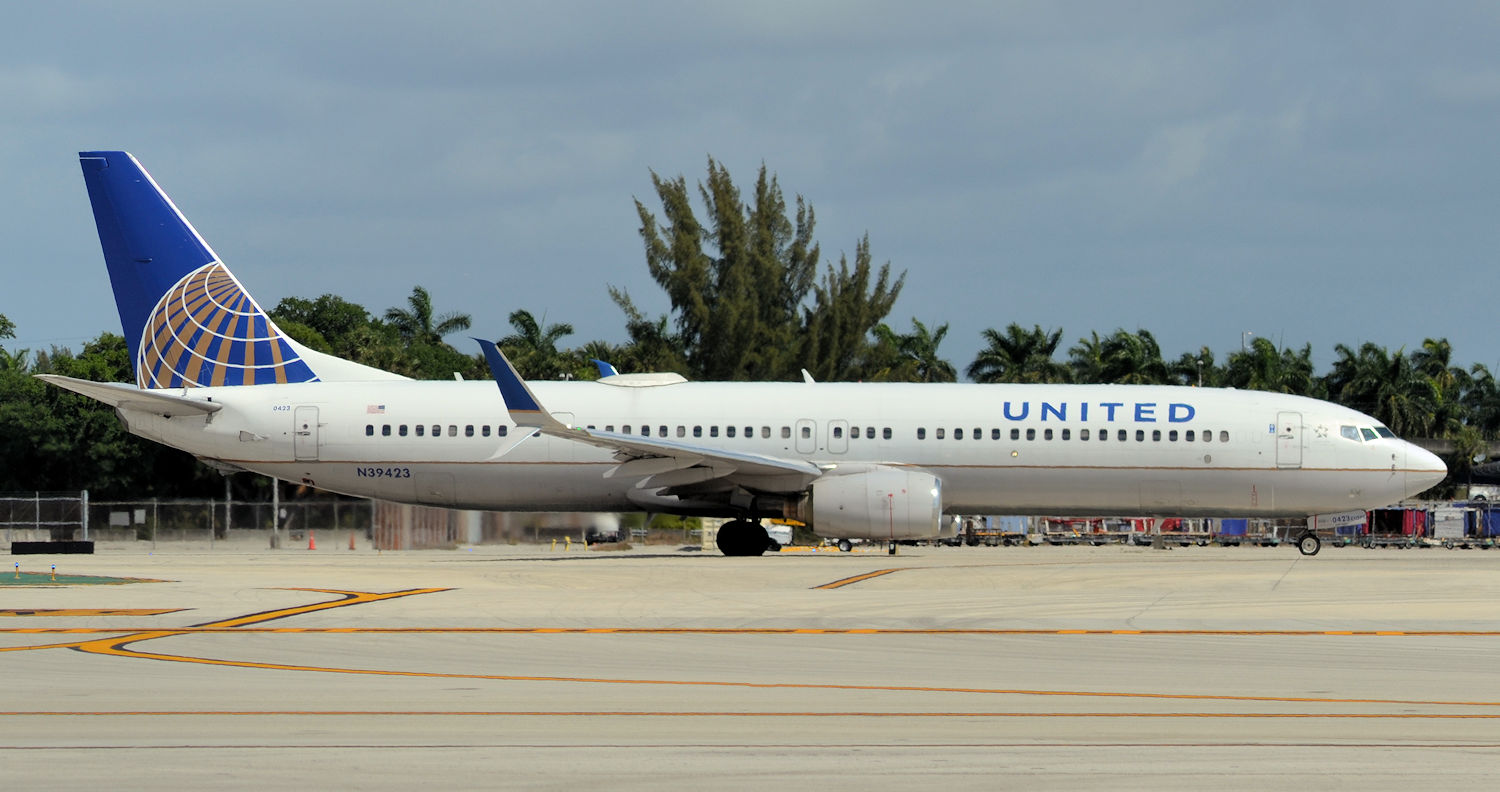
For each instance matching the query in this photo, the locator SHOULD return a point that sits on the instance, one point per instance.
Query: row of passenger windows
(855, 432)
(748, 431)
(437, 430)
(1121, 435)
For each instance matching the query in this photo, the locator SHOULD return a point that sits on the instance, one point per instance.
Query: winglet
(525, 410)
(605, 369)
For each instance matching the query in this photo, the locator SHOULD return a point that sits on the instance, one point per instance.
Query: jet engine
(881, 503)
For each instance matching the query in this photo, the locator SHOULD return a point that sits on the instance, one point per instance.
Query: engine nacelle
(881, 503)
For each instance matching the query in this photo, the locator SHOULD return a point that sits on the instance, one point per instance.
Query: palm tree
(1385, 385)
(912, 357)
(1264, 367)
(1133, 359)
(1196, 368)
(1019, 355)
(533, 348)
(416, 324)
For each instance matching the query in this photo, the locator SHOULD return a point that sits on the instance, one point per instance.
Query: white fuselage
(1038, 449)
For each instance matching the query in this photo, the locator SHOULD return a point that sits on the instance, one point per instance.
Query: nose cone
(1423, 470)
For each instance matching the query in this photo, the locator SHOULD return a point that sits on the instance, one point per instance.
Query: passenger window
(1208, 435)
(713, 431)
(1223, 436)
(1156, 435)
(978, 435)
(765, 431)
(661, 431)
(1122, 436)
(838, 432)
(1083, 434)
(485, 430)
(501, 431)
(921, 433)
(1349, 433)
(854, 433)
(1172, 436)
(940, 432)
(1046, 434)
(401, 430)
(1140, 435)
(453, 430)
(469, 430)
(1066, 433)
(806, 432)
(1015, 434)
(625, 429)
(869, 433)
(645, 430)
(994, 434)
(682, 431)
(749, 432)
(1189, 436)
(1103, 434)
(1030, 434)
(886, 433)
(729, 431)
(786, 433)
(609, 427)
(369, 430)
(385, 431)
(958, 434)
(697, 431)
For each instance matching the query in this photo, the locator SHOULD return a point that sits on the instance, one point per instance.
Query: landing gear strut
(1309, 544)
(742, 538)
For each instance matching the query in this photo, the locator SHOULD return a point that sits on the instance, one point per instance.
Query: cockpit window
(1349, 433)
(1368, 433)
(1384, 432)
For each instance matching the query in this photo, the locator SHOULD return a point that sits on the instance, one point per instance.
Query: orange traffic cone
(312, 541)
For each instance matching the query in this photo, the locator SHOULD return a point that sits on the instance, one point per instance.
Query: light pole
(1244, 344)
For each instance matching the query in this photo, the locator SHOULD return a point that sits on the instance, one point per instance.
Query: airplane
(880, 462)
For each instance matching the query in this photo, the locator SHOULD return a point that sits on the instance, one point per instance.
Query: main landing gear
(1309, 544)
(744, 538)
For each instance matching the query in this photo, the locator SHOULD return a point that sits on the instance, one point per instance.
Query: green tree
(911, 357)
(1264, 367)
(739, 280)
(1386, 386)
(416, 323)
(533, 348)
(1019, 355)
(1197, 369)
(1132, 359)
(835, 340)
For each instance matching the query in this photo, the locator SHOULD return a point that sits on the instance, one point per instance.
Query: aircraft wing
(665, 463)
(129, 397)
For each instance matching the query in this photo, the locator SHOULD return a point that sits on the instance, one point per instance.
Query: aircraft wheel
(1309, 544)
(845, 545)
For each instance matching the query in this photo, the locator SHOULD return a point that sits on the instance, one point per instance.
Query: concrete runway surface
(968, 668)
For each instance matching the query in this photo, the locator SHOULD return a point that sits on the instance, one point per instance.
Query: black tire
(845, 546)
(1309, 544)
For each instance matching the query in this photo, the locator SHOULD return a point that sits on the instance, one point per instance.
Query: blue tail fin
(187, 319)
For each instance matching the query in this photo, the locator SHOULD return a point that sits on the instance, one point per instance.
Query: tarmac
(971, 668)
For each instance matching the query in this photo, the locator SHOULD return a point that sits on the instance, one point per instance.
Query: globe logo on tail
(207, 331)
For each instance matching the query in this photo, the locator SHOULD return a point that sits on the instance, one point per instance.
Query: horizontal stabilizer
(129, 397)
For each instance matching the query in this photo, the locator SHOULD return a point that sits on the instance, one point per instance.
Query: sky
(1317, 173)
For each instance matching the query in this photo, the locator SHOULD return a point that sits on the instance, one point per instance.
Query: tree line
(751, 299)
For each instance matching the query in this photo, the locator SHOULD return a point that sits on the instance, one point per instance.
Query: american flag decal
(375, 409)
